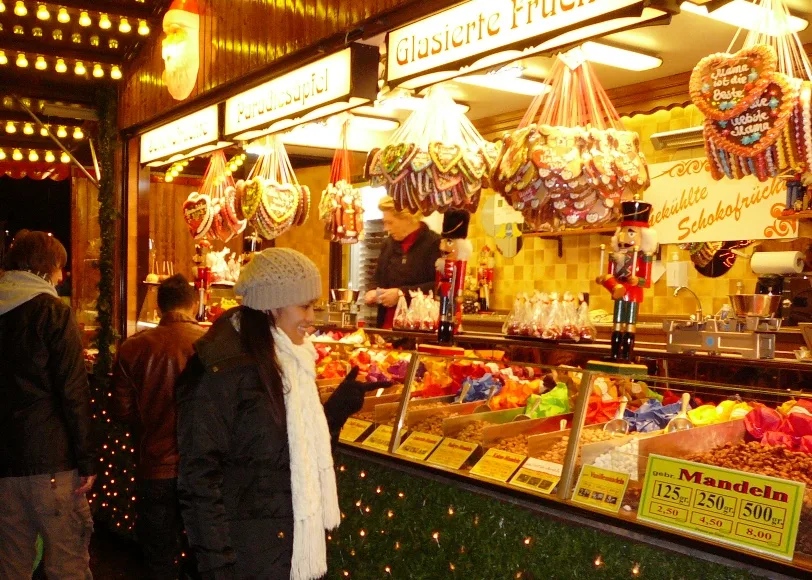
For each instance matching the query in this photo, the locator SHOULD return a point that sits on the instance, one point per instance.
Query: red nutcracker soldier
(456, 250)
(633, 247)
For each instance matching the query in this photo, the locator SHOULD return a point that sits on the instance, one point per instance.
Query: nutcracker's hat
(635, 213)
(455, 224)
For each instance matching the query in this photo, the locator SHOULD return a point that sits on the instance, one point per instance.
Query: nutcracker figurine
(485, 277)
(456, 250)
(629, 271)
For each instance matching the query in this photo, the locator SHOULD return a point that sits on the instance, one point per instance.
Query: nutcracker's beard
(180, 51)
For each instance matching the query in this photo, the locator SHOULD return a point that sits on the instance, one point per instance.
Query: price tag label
(380, 437)
(600, 488)
(497, 464)
(537, 475)
(452, 453)
(353, 429)
(754, 512)
(419, 445)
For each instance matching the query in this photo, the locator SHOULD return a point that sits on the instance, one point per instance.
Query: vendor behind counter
(407, 261)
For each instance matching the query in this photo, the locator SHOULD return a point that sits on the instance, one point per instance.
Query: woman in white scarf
(249, 412)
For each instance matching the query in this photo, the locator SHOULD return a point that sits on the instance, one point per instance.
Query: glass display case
(726, 465)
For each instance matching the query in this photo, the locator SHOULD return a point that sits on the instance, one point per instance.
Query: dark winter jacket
(414, 270)
(44, 392)
(234, 475)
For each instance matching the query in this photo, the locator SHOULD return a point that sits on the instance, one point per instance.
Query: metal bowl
(344, 295)
(761, 305)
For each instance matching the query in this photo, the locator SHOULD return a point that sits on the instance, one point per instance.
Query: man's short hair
(36, 252)
(175, 293)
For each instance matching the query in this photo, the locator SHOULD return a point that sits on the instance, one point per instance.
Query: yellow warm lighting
(22, 62)
(40, 64)
(17, 155)
(28, 129)
(104, 22)
(63, 16)
(124, 26)
(20, 9)
(32, 156)
(44, 131)
(115, 73)
(60, 66)
(10, 128)
(508, 79)
(2, 9)
(619, 57)
(3, 57)
(61, 132)
(77, 133)
(742, 14)
(42, 12)
(143, 28)
(98, 71)
(64, 158)
(2, 152)
(84, 19)
(49, 157)
(79, 69)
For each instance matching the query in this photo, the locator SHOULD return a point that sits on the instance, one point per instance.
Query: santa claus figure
(455, 250)
(180, 48)
(629, 272)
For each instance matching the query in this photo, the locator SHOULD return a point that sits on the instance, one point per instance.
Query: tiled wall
(538, 267)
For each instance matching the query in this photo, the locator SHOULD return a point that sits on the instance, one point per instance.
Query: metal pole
(578, 417)
(400, 418)
(57, 141)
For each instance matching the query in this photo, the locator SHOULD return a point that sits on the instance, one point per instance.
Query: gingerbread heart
(197, 213)
(445, 157)
(280, 202)
(723, 85)
(251, 197)
(420, 161)
(396, 157)
(444, 181)
(759, 125)
(473, 164)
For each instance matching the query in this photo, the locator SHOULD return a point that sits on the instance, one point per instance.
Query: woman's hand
(389, 297)
(348, 398)
(371, 297)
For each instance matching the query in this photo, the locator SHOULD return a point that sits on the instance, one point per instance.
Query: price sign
(600, 488)
(380, 437)
(497, 464)
(419, 445)
(750, 511)
(353, 429)
(452, 453)
(537, 475)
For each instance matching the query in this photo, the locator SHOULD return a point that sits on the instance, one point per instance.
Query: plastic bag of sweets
(401, 321)
(569, 318)
(513, 322)
(554, 323)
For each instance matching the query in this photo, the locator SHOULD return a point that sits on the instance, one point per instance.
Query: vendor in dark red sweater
(406, 262)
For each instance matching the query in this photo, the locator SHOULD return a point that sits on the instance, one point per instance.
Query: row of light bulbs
(63, 16)
(57, 34)
(79, 67)
(34, 156)
(61, 132)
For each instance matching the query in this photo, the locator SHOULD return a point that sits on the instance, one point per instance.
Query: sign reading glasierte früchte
(479, 27)
(195, 130)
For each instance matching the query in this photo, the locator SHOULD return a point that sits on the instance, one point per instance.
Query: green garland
(396, 525)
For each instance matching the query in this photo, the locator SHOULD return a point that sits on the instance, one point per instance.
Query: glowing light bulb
(79, 69)
(169, 179)
(63, 16)
(49, 157)
(44, 131)
(94, 40)
(22, 62)
(57, 34)
(3, 57)
(115, 73)
(42, 12)
(124, 26)
(10, 128)
(98, 71)
(32, 156)
(84, 19)
(17, 155)
(28, 129)
(61, 132)
(60, 66)
(104, 22)
(77, 133)
(20, 9)
(40, 64)
(64, 158)
(2, 9)
(143, 28)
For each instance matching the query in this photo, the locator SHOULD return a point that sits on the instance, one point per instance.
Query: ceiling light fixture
(79, 69)
(42, 12)
(2, 155)
(61, 132)
(115, 73)
(98, 71)
(742, 14)
(40, 64)
(124, 26)
(64, 158)
(17, 155)
(619, 57)
(49, 157)
(3, 57)
(20, 9)
(77, 134)
(508, 79)
(44, 131)
(143, 28)
(60, 67)
(28, 129)
(104, 22)
(32, 156)
(84, 19)
(63, 16)
(10, 128)
(22, 62)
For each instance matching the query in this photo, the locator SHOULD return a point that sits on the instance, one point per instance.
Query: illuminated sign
(195, 130)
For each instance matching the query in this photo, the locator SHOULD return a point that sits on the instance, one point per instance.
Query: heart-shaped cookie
(251, 197)
(473, 165)
(197, 213)
(445, 156)
(420, 161)
(723, 85)
(396, 157)
(280, 202)
(760, 125)
(444, 181)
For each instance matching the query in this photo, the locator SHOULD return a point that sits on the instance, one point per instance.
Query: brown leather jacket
(144, 389)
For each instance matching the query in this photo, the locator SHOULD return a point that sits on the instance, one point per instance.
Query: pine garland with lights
(402, 526)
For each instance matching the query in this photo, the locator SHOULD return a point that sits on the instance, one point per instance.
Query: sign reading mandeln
(689, 206)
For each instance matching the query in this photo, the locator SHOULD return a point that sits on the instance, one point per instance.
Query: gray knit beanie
(278, 277)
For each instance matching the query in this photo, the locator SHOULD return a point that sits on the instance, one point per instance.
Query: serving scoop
(618, 426)
(681, 422)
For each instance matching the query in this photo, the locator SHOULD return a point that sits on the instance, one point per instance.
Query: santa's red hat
(184, 13)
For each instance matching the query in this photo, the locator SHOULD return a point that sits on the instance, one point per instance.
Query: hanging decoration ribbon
(340, 207)
(211, 211)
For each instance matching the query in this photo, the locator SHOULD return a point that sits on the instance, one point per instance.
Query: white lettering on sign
(689, 206)
(195, 130)
(481, 26)
(312, 85)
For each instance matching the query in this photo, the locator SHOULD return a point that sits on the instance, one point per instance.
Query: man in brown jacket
(144, 395)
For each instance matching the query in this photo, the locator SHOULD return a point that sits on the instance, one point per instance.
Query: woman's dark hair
(36, 252)
(257, 341)
(175, 293)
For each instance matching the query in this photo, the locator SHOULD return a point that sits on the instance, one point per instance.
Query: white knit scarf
(312, 477)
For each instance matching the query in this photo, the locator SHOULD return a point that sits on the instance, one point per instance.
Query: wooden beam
(145, 11)
(23, 117)
(12, 45)
(49, 85)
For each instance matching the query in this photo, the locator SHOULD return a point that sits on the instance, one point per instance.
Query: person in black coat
(407, 261)
(256, 479)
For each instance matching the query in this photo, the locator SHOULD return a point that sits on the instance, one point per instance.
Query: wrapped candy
(704, 415)
(397, 371)
(600, 410)
(762, 420)
(375, 374)
(651, 416)
(554, 402)
(514, 393)
(479, 389)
